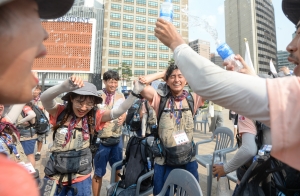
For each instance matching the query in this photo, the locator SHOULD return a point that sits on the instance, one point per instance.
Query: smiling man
(271, 101)
(110, 149)
(175, 109)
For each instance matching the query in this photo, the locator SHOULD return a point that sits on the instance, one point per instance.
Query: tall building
(254, 20)
(282, 60)
(201, 47)
(74, 46)
(129, 35)
(216, 59)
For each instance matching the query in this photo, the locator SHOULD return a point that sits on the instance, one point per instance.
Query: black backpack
(135, 162)
(133, 116)
(284, 179)
(41, 124)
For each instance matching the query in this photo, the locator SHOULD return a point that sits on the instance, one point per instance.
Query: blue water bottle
(166, 11)
(227, 55)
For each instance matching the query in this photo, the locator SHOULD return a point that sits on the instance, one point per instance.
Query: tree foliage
(125, 71)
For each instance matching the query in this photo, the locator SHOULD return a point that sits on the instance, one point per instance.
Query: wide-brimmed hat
(87, 89)
(49, 9)
(291, 8)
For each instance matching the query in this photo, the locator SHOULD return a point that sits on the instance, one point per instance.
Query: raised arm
(116, 112)
(244, 94)
(48, 97)
(148, 92)
(14, 113)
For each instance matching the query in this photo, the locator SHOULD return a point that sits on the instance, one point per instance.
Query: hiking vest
(111, 128)
(76, 141)
(76, 150)
(152, 118)
(167, 126)
(12, 156)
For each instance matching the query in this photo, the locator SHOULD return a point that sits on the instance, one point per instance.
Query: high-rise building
(74, 45)
(129, 35)
(282, 60)
(216, 59)
(201, 47)
(254, 20)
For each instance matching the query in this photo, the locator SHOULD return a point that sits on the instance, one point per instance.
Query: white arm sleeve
(14, 113)
(247, 151)
(117, 112)
(244, 94)
(29, 117)
(144, 123)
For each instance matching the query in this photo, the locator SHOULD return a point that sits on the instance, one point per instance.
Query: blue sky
(213, 11)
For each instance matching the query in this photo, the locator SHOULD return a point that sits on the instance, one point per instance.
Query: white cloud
(221, 9)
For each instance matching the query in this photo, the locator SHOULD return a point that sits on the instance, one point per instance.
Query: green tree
(125, 72)
(171, 61)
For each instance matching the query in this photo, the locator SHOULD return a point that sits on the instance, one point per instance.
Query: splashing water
(202, 23)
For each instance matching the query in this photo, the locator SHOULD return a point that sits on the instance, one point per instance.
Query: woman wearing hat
(70, 162)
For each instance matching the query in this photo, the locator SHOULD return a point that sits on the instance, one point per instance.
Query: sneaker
(37, 157)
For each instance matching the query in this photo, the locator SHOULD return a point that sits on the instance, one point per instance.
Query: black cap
(50, 9)
(291, 9)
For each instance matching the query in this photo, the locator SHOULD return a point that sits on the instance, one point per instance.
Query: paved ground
(198, 136)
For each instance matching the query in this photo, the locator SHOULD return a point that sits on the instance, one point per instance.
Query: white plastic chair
(184, 183)
(224, 144)
(138, 185)
(203, 115)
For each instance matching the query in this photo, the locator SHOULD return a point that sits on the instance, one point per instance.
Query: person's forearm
(48, 97)
(155, 76)
(144, 123)
(244, 94)
(117, 112)
(29, 117)
(247, 151)
(14, 113)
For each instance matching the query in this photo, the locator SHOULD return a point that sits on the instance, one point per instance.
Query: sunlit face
(294, 49)
(111, 85)
(21, 38)
(176, 82)
(82, 107)
(36, 93)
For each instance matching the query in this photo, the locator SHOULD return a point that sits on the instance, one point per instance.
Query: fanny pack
(174, 156)
(73, 161)
(179, 155)
(110, 141)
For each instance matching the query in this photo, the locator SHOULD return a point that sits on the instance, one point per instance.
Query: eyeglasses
(80, 104)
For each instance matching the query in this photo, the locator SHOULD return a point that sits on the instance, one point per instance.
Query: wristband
(137, 95)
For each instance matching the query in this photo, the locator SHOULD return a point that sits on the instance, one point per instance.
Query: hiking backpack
(41, 124)
(136, 163)
(133, 116)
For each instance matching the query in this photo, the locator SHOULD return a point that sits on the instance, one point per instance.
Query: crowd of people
(166, 113)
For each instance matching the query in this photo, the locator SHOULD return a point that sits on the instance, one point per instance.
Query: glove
(138, 87)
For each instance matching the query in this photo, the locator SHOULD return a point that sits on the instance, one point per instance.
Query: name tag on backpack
(180, 137)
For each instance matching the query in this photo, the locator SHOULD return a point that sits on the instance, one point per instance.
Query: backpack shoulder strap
(191, 102)
(58, 120)
(162, 104)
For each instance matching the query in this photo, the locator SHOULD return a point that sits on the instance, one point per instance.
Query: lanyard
(178, 114)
